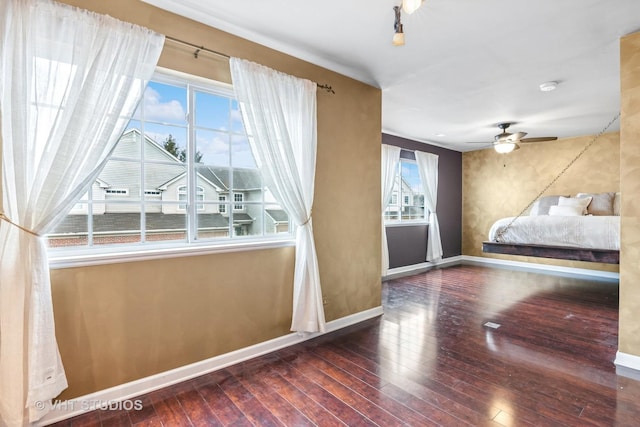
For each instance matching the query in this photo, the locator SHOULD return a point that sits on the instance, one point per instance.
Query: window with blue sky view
(407, 197)
(183, 171)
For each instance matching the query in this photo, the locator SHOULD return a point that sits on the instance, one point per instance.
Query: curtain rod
(199, 49)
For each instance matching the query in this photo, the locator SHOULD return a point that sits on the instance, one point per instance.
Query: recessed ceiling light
(548, 86)
(439, 134)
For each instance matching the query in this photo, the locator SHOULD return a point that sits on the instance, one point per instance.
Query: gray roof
(120, 222)
(243, 179)
(242, 218)
(121, 174)
(278, 215)
(209, 174)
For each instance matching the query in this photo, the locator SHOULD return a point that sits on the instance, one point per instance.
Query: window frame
(222, 206)
(117, 191)
(399, 198)
(238, 205)
(199, 197)
(64, 257)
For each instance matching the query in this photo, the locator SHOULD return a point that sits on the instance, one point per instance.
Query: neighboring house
(117, 200)
(277, 220)
(406, 204)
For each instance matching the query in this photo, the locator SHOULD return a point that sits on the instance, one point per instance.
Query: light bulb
(504, 147)
(398, 39)
(410, 6)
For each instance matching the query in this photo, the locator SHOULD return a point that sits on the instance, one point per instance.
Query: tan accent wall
(629, 321)
(496, 186)
(120, 322)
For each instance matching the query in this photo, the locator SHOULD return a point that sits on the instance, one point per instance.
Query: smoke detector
(548, 86)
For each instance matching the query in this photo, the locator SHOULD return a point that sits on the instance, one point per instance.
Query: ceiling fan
(506, 142)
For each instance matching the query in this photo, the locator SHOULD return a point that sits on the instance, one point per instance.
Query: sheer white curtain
(428, 168)
(390, 160)
(67, 77)
(279, 113)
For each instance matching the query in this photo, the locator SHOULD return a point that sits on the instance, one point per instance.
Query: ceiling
(467, 65)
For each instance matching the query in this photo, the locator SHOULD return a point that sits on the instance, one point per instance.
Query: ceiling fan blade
(516, 136)
(504, 136)
(540, 139)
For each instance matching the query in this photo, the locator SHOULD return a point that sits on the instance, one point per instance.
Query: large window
(407, 198)
(182, 172)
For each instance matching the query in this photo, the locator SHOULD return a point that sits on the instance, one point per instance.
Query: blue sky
(165, 112)
(411, 175)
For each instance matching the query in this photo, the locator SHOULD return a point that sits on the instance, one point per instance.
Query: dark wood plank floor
(430, 360)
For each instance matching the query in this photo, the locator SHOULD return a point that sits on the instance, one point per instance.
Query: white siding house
(120, 194)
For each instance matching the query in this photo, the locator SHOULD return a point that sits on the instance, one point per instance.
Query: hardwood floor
(431, 359)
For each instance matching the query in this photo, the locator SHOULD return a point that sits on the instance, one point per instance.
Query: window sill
(406, 224)
(89, 257)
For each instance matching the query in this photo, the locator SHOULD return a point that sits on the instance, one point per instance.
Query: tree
(171, 146)
(182, 156)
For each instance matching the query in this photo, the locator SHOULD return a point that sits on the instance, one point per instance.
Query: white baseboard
(627, 365)
(543, 268)
(582, 273)
(67, 409)
(408, 270)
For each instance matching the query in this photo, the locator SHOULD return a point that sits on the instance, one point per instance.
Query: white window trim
(398, 223)
(183, 202)
(199, 198)
(237, 203)
(222, 207)
(414, 223)
(116, 254)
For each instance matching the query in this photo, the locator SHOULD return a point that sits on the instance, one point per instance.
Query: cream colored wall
(496, 186)
(120, 322)
(629, 321)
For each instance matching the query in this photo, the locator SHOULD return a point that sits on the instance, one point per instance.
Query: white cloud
(155, 109)
(236, 116)
(213, 146)
(215, 150)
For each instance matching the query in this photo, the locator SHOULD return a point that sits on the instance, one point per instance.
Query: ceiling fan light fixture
(398, 38)
(410, 6)
(504, 147)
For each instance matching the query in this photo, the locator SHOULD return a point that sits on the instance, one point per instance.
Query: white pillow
(581, 202)
(541, 206)
(565, 211)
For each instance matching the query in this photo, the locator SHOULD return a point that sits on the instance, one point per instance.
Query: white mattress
(592, 232)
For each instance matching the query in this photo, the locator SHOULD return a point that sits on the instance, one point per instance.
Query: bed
(580, 234)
